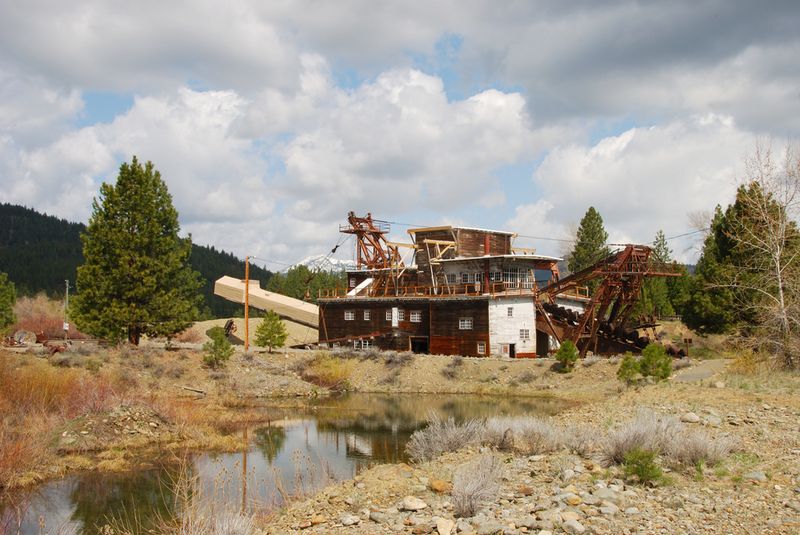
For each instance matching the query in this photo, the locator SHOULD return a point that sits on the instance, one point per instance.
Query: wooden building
(467, 291)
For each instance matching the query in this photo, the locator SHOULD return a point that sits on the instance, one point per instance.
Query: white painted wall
(505, 330)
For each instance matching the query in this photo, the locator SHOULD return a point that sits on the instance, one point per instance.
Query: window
(465, 278)
(401, 315)
(496, 276)
(416, 316)
(481, 348)
(349, 315)
(388, 314)
(352, 282)
(452, 278)
(366, 315)
(465, 324)
(361, 344)
(524, 334)
(510, 312)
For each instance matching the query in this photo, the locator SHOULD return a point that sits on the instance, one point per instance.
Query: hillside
(39, 252)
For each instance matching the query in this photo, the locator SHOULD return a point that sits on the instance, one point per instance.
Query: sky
(270, 121)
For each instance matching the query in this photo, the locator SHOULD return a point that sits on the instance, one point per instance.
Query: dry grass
(441, 436)
(329, 371)
(476, 483)
(36, 397)
(189, 336)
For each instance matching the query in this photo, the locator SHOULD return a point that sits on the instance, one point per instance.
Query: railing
(452, 290)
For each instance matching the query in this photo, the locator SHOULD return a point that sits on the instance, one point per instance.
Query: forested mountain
(39, 252)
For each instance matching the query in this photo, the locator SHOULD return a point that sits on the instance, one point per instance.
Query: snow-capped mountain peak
(324, 263)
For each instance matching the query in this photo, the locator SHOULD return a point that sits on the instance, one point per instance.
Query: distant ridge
(39, 252)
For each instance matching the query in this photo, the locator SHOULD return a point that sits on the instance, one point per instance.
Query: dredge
(469, 291)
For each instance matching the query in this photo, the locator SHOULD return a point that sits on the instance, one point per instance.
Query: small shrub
(441, 436)
(393, 359)
(628, 371)
(476, 483)
(647, 431)
(695, 447)
(451, 370)
(218, 349)
(566, 356)
(93, 365)
(526, 377)
(530, 435)
(641, 465)
(271, 332)
(655, 362)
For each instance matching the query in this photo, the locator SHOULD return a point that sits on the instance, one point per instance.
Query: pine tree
(135, 278)
(271, 332)
(8, 296)
(590, 242)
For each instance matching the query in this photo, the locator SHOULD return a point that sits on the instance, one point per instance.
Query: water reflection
(304, 447)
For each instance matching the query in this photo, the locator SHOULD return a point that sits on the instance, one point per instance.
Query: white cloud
(646, 179)
(397, 143)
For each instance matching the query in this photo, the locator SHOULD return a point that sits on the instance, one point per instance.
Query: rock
(440, 486)
(719, 384)
(755, 476)
(317, 520)
(608, 509)
(573, 526)
(349, 520)
(569, 515)
(444, 526)
(567, 474)
(361, 486)
(606, 494)
(463, 526)
(305, 524)
(412, 503)
(378, 517)
(713, 421)
(573, 499)
(489, 528)
(525, 490)
(545, 532)
(690, 418)
(675, 503)
(795, 506)
(631, 511)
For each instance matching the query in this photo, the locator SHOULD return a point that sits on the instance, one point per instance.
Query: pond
(298, 451)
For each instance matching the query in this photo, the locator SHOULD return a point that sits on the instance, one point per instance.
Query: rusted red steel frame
(621, 277)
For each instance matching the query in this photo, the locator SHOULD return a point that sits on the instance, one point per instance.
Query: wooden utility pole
(246, 303)
(66, 311)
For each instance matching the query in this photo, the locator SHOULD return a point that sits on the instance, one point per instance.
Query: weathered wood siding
(334, 326)
(473, 243)
(445, 336)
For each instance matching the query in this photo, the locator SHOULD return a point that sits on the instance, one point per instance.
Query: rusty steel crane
(604, 326)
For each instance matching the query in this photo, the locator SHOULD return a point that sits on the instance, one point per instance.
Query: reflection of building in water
(369, 447)
(359, 445)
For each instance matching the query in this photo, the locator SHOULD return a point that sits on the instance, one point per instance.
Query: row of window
(507, 275)
(415, 316)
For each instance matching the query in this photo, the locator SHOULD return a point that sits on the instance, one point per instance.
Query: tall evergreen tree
(136, 277)
(655, 290)
(8, 296)
(590, 242)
